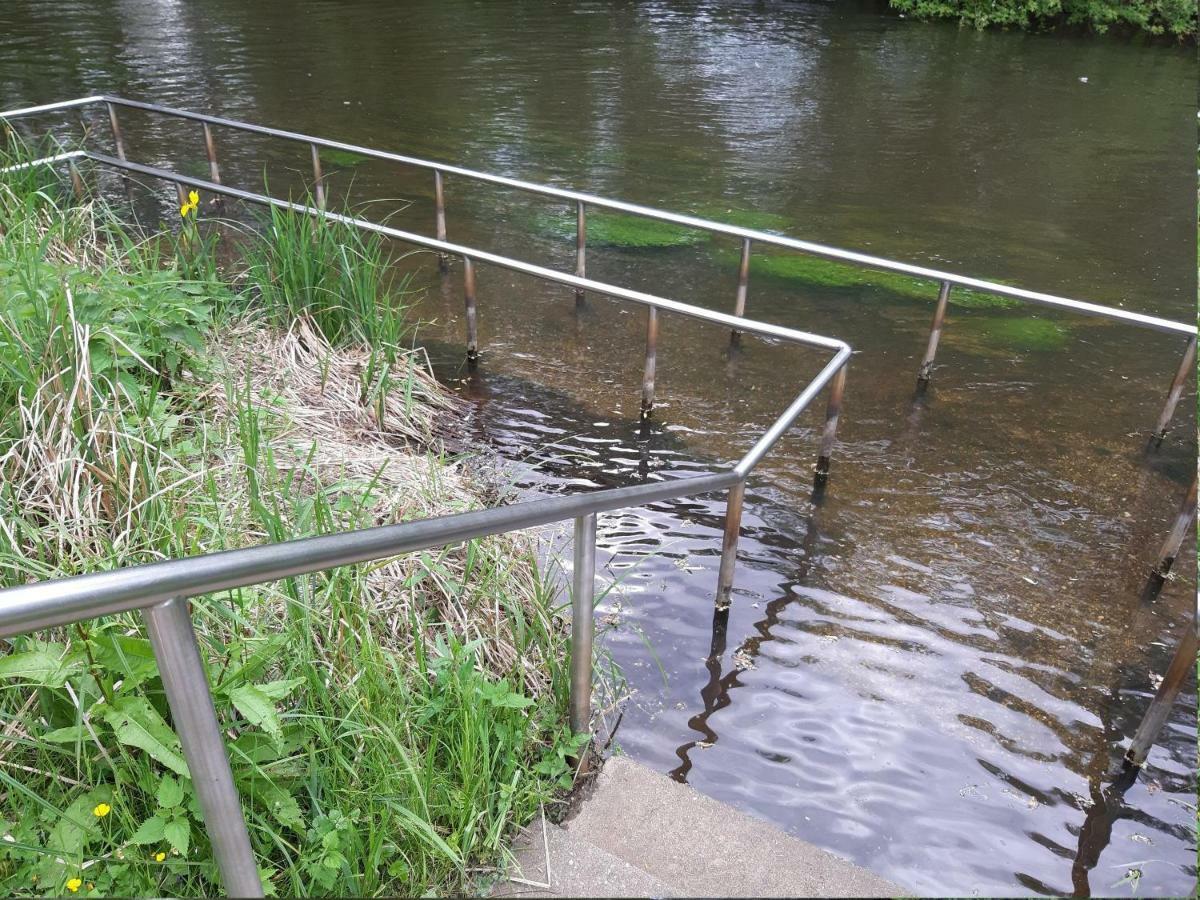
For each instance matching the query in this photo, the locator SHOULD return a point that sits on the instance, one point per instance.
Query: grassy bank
(388, 724)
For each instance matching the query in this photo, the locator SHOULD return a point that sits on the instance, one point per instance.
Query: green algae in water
(342, 158)
(606, 229)
(1027, 334)
(815, 270)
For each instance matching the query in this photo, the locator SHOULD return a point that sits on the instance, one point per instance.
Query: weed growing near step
(388, 725)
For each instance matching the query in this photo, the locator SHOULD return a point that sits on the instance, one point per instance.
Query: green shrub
(1177, 17)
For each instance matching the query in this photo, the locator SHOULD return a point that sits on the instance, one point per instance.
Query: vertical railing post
(935, 335)
(186, 685)
(469, 298)
(439, 201)
(580, 249)
(76, 181)
(651, 361)
(583, 623)
(1180, 530)
(729, 542)
(739, 305)
(210, 148)
(833, 410)
(1182, 664)
(318, 176)
(1186, 368)
(116, 131)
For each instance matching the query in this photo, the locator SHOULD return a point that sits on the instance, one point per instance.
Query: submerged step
(698, 846)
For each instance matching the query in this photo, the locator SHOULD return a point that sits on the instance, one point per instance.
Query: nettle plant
(138, 825)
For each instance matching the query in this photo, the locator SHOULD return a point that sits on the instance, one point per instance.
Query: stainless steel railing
(160, 590)
(946, 281)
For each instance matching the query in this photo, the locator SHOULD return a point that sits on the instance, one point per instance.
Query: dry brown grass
(324, 437)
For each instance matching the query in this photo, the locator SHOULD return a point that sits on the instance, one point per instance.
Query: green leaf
(178, 832)
(138, 724)
(277, 690)
(149, 832)
(258, 708)
(131, 657)
(72, 734)
(170, 792)
(49, 666)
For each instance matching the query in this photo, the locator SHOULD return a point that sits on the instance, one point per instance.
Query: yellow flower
(190, 204)
(74, 884)
(159, 856)
(101, 810)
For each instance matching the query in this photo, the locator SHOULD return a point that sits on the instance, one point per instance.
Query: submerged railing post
(729, 542)
(1180, 530)
(116, 131)
(186, 685)
(833, 410)
(1182, 664)
(935, 335)
(583, 623)
(1186, 368)
(580, 249)
(318, 176)
(210, 148)
(739, 305)
(651, 362)
(439, 202)
(469, 297)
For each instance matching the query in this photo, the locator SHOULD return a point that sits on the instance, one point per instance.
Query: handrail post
(580, 249)
(210, 148)
(833, 410)
(116, 131)
(186, 685)
(1173, 395)
(439, 201)
(739, 305)
(651, 362)
(935, 335)
(318, 177)
(469, 298)
(1182, 664)
(583, 623)
(76, 181)
(729, 542)
(1183, 522)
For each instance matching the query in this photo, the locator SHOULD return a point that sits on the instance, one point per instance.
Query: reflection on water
(930, 672)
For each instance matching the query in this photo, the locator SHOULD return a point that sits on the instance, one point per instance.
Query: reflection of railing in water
(160, 590)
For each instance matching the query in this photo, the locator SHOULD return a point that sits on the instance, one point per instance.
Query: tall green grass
(389, 725)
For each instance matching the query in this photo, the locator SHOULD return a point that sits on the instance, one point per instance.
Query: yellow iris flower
(193, 201)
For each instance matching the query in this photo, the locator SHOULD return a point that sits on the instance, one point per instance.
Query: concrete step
(562, 864)
(698, 847)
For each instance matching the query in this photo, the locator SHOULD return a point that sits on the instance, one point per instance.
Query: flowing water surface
(931, 669)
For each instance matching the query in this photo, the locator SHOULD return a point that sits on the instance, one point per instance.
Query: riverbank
(1172, 18)
(389, 725)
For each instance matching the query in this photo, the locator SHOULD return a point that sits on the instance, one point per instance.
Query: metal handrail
(160, 590)
(946, 280)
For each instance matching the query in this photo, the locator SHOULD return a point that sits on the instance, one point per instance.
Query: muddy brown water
(931, 671)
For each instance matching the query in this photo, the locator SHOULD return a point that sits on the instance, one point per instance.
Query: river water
(931, 670)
